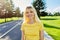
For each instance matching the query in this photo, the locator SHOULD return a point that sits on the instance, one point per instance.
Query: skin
(30, 15)
(22, 35)
(41, 35)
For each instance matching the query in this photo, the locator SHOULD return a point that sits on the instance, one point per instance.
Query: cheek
(32, 15)
(27, 15)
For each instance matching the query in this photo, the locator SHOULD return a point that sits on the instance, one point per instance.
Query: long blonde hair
(35, 13)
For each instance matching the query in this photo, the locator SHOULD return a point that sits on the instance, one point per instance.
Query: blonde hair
(35, 13)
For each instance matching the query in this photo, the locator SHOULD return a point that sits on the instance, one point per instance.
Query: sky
(52, 5)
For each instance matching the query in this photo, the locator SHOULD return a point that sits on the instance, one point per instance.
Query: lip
(29, 16)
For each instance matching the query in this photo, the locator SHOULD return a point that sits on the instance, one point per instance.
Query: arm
(41, 35)
(41, 32)
(22, 30)
(22, 36)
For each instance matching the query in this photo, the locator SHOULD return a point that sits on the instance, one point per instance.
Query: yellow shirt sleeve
(41, 27)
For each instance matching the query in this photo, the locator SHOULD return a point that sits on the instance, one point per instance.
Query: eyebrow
(29, 7)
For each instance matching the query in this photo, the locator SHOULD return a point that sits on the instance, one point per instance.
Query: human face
(30, 13)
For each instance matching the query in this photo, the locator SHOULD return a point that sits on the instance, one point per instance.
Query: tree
(50, 14)
(57, 13)
(9, 7)
(43, 13)
(39, 5)
(17, 14)
(2, 4)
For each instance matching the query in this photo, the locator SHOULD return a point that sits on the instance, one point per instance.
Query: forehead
(29, 9)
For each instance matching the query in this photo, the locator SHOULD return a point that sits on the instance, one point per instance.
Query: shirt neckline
(31, 24)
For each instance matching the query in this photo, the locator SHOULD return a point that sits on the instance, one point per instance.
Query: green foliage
(57, 13)
(43, 13)
(17, 12)
(39, 5)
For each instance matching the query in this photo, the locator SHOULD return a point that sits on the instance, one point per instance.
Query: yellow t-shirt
(31, 31)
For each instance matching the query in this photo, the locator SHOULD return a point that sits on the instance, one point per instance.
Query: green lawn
(8, 19)
(52, 26)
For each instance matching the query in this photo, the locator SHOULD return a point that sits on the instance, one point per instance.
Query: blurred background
(11, 13)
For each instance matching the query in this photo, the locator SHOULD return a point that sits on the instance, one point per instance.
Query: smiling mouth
(29, 16)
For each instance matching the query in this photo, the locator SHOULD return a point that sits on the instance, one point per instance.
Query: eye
(31, 11)
(27, 12)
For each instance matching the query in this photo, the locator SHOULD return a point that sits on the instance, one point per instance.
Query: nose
(29, 13)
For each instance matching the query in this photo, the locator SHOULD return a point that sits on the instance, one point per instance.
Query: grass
(52, 26)
(8, 19)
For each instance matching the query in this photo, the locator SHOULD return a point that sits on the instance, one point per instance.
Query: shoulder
(39, 23)
(24, 24)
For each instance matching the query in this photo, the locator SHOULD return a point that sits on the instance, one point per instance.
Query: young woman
(32, 27)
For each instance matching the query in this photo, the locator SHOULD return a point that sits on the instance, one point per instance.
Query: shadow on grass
(50, 26)
(53, 36)
(48, 19)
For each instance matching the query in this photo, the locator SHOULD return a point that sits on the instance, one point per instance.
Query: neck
(31, 21)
